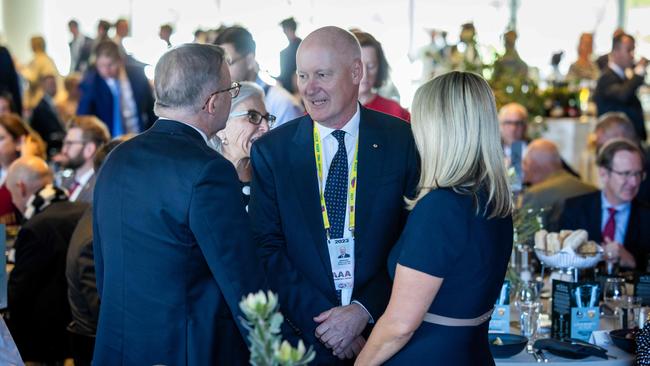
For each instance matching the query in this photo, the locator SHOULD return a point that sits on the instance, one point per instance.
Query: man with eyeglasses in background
(614, 216)
(173, 249)
(85, 136)
(240, 50)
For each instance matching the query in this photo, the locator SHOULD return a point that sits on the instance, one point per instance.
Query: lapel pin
(375, 146)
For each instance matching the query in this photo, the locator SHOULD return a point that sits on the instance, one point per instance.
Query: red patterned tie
(610, 227)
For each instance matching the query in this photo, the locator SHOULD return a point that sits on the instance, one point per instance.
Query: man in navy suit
(116, 92)
(615, 92)
(614, 216)
(306, 204)
(172, 243)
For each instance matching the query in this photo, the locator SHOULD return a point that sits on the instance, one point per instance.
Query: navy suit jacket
(585, 212)
(614, 94)
(288, 225)
(173, 253)
(96, 97)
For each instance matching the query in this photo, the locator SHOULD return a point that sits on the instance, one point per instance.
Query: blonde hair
(457, 134)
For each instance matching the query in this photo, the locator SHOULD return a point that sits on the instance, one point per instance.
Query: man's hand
(616, 252)
(352, 351)
(340, 326)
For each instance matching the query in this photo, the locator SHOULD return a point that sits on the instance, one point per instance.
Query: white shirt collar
(617, 69)
(205, 137)
(85, 177)
(351, 127)
(621, 207)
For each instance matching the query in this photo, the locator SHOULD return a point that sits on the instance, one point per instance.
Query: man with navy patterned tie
(328, 183)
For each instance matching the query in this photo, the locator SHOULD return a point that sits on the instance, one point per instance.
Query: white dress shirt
(81, 181)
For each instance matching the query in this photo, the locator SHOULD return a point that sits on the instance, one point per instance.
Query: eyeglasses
(72, 142)
(515, 123)
(637, 175)
(255, 117)
(233, 90)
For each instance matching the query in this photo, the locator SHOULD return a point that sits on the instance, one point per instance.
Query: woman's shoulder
(445, 201)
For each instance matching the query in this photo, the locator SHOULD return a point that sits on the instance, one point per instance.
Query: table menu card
(500, 321)
(575, 312)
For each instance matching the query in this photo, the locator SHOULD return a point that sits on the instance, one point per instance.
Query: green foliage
(263, 322)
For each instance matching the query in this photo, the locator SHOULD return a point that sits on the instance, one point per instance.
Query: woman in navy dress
(449, 264)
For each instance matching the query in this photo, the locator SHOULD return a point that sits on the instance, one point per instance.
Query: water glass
(529, 319)
(613, 293)
(631, 311)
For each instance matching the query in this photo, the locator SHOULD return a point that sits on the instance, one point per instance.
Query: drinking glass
(527, 302)
(613, 293)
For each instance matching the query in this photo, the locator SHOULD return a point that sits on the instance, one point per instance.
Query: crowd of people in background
(56, 132)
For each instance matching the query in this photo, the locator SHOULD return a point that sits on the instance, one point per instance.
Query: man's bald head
(542, 159)
(513, 119)
(25, 177)
(338, 40)
(329, 70)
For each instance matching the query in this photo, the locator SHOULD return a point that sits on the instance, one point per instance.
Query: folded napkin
(570, 348)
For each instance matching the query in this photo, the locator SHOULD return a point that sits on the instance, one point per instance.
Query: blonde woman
(449, 263)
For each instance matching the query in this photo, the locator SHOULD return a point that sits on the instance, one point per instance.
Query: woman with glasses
(375, 74)
(247, 122)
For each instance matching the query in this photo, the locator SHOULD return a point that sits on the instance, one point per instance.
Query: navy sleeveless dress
(446, 237)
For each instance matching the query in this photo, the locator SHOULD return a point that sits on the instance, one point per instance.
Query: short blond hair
(457, 134)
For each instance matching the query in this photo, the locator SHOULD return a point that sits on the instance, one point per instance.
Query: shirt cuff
(370, 318)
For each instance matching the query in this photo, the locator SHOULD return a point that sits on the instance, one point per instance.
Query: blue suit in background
(97, 99)
(288, 225)
(173, 253)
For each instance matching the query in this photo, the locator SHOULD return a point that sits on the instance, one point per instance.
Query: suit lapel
(305, 179)
(597, 223)
(371, 159)
(633, 227)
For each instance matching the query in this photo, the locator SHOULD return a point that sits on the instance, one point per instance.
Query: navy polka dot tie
(336, 188)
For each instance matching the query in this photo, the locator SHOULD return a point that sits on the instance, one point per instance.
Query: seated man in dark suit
(615, 92)
(306, 204)
(172, 244)
(45, 118)
(549, 184)
(37, 290)
(85, 136)
(614, 216)
(117, 93)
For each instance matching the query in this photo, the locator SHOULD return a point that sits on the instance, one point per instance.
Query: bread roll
(589, 247)
(576, 239)
(563, 235)
(553, 244)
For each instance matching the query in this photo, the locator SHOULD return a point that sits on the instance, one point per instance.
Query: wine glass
(613, 293)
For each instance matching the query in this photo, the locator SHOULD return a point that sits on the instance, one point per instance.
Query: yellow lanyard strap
(352, 186)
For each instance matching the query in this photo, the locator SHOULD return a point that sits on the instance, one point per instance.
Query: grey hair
(186, 75)
(247, 90)
(617, 119)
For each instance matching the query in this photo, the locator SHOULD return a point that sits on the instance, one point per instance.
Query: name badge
(341, 253)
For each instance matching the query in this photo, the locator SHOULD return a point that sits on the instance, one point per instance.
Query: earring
(224, 140)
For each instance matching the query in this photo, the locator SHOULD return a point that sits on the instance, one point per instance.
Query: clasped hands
(340, 329)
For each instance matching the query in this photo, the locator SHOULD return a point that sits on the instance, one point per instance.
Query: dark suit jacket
(80, 273)
(9, 79)
(614, 94)
(97, 99)
(288, 225)
(584, 212)
(46, 122)
(86, 194)
(288, 64)
(38, 293)
(173, 253)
